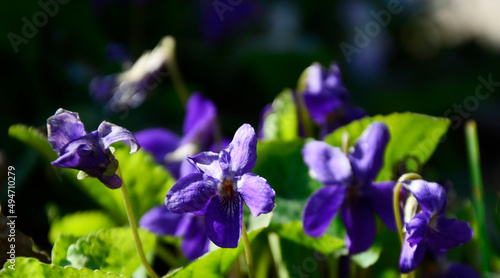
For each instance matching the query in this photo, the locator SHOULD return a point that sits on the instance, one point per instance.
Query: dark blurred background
(395, 56)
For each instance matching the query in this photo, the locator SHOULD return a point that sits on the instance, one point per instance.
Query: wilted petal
(161, 221)
(64, 127)
(111, 133)
(327, 164)
(446, 233)
(223, 221)
(257, 194)
(190, 193)
(367, 156)
(380, 195)
(430, 196)
(242, 152)
(158, 141)
(321, 208)
(359, 223)
(208, 163)
(199, 122)
(416, 228)
(195, 240)
(411, 256)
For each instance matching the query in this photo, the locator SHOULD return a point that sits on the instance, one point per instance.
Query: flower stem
(133, 227)
(178, 82)
(477, 191)
(345, 142)
(248, 251)
(397, 211)
(395, 202)
(275, 247)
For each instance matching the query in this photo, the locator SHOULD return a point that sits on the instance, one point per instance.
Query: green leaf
(32, 268)
(282, 122)
(414, 137)
(293, 231)
(80, 224)
(215, 263)
(369, 257)
(108, 250)
(282, 165)
(146, 181)
(34, 138)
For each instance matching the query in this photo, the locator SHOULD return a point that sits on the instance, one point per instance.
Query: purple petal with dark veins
(327, 164)
(257, 194)
(190, 193)
(367, 156)
(321, 207)
(223, 221)
(63, 127)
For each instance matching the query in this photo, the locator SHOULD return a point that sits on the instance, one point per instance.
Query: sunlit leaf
(80, 224)
(32, 268)
(281, 123)
(108, 250)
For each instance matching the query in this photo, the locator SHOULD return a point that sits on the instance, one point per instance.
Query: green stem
(178, 82)
(133, 227)
(275, 246)
(397, 211)
(345, 142)
(477, 191)
(248, 251)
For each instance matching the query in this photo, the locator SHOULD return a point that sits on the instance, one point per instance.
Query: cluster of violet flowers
(215, 179)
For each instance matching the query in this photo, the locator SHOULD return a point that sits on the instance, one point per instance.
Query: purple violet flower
(326, 98)
(220, 187)
(88, 152)
(350, 187)
(199, 126)
(190, 227)
(161, 221)
(430, 229)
